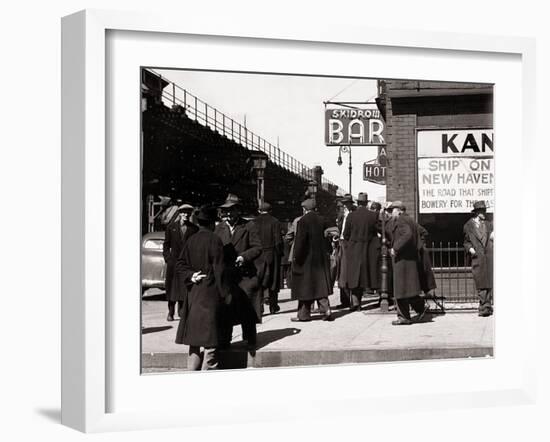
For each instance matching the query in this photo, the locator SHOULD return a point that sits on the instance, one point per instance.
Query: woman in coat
(201, 267)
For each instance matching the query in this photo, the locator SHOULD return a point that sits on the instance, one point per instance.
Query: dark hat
(479, 205)
(208, 213)
(230, 201)
(186, 208)
(376, 206)
(264, 207)
(397, 205)
(309, 204)
(362, 198)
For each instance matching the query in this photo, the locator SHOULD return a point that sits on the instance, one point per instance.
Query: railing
(452, 272)
(210, 117)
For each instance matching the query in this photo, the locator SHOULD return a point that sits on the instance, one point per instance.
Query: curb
(239, 358)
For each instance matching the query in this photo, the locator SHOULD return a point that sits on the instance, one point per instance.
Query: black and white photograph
(306, 220)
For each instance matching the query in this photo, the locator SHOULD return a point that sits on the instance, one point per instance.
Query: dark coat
(482, 261)
(244, 242)
(310, 266)
(361, 227)
(172, 247)
(269, 262)
(199, 323)
(404, 241)
(375, 261)
(341, 263)
(427, 278)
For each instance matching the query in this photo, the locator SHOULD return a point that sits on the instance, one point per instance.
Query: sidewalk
(365, 336)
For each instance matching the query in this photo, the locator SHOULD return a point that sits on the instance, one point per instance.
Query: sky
(290, 110)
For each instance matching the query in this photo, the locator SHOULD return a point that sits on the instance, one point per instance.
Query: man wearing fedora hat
(359, 230)
(201, 266)
(176, 235)
(347, 206)
(404, 250)
(269, 262)
(242, 247)
(478, 244)
(310, 267)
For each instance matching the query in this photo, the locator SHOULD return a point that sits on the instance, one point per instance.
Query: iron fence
(210, 117)
(453, 273)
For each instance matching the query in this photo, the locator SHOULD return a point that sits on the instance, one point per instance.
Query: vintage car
(153, 267)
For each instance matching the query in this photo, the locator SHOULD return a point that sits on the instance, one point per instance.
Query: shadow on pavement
(237, 355)
(154, 297)
(147, 330)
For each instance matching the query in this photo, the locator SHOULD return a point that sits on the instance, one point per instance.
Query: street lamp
(345, 149)
(259, 164)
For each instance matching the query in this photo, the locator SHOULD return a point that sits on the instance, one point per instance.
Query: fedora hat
(264, 207)
(208, 214)
(309, 204)
(230, 201)
(186, 208)
(479, 205)
(362, 198)
(396, 205)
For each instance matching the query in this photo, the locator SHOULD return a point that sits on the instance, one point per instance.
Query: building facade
(439, 149)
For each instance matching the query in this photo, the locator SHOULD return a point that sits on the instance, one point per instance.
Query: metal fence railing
(452, 272)
(210, 117)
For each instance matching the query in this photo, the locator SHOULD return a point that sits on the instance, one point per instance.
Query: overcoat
(361, 227)
(171, 250)
(199, 323)
(245, 242)
(310, 266)
(375, 261)
(482, 261)
(269, 262)
(427, 278)
(341, 263)
(404, 241)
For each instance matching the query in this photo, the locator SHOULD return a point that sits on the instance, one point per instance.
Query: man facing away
(269, 262)
(310, 266)
(360, 228)
(478, 244)
(201, 266)
(405, 260)
(176, 235)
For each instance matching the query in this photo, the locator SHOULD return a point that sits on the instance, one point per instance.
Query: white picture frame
(86, 205)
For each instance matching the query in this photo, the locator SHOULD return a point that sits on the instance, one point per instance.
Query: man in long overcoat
(342, 267)
(201, 266)
(269, 262)
(310, 266)
(478, 244)
(405, 260)
(242, 247)
(360, 228)
(176, 235)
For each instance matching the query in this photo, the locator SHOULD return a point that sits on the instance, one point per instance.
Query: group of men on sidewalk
(223, 271)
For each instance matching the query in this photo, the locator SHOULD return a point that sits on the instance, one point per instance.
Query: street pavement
(366, 336)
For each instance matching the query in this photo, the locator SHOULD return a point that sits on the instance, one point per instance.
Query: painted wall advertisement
(455, 169)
